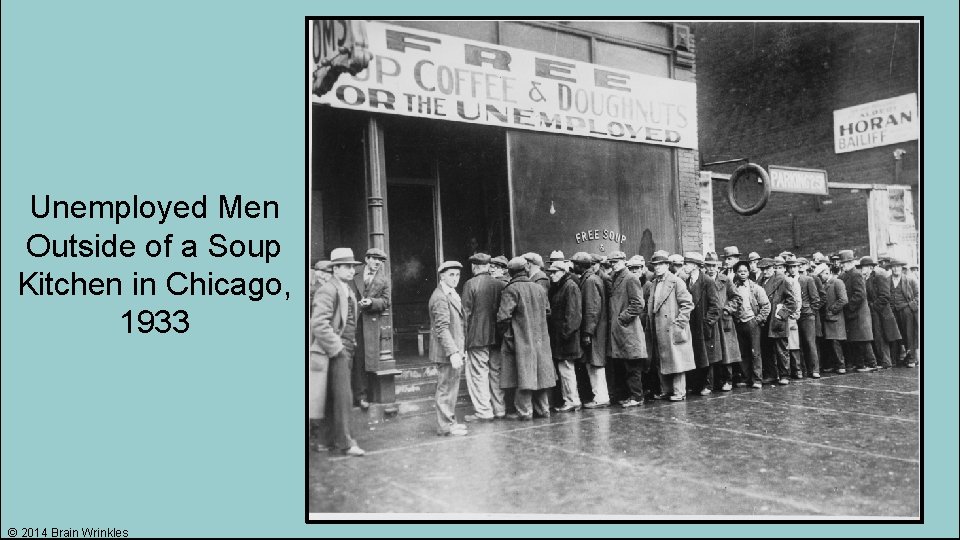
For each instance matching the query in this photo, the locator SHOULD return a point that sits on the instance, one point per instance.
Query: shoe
(474, 418)
(727, 387)
(814, 375)
(866, 369)
(662, 396)
(842, 371)
(362, 403)
(757, 385)
(595, 405)
(678, 398)
(569, 407)
(741, 385)
(910, 365)
(706, 392)
(354, 451)
(622, 401)
(454, 432)
(829, 370)
(769, 381)
(630, 403)
(798, 376)
(520, 417)
(784, 381)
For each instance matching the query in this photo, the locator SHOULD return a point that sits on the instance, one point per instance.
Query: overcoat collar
(663, 290)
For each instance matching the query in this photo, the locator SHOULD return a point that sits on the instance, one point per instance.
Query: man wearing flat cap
(776, 363)
(858, 349)
(703, 323)
(753, 260)
(668, 313)
(627, 343)
(789, 271)
(498, 269)
(564, 326)
(729, 346)
(372, 288)
(904, 299)
(527, 358)
(807, 322)
(447, 346)
(481, 298)
(885, 330)
(593, 326)
(834, 322)
(534, 270)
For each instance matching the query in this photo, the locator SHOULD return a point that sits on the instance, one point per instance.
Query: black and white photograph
(613, 270)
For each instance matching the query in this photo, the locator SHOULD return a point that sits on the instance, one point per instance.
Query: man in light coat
(372, 288)
(669, 315)
(447, 344)
(626, 343)
(904, 299)
(333, 323)
(858, 349)
(527, 358)
(481, 298)
(593, 327)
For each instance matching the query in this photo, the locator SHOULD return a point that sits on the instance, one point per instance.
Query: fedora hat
(659, 257)
(676, 258)
(693, 257)
(894, 261)
(754, 256)
(779, 261)
(557, 256)
(791, 260)
(867, 261)
(342, 256)
(846, 255)
(711, 259)
(731, 251)
(377, 253)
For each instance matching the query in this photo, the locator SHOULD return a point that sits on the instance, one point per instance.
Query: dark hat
(342, 256)
(767, 262)
(558, 266)
(791, 260)
(534, 258)
(897, 262)
(517, 263)
(779, 261)
(693, 257)
(449, 265)
(500, 261)
(582, 257)
(754, 256)
(711, 259)
(659, 257)
(803, 260)
(617, 256)
(846, 255)
(480, 258)
(324, 266)
(731, 251)
(867, 261)
(834, 257)
(376, 252)
(914, 266)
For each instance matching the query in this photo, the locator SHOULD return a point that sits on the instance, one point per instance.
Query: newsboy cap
(765, 262)
(324, 266)
(480, 258)
(558, 266)
(731, 251)
(500, 261)
(534, 258)
(635, 262)
(617, 256)
(377, 253)
(449, 265)
(582, 257)
(517, 263)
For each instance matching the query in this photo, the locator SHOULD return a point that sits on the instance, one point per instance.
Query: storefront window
(631, 59)
(552, 42)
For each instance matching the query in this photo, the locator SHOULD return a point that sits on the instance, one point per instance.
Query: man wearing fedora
(527, 358)
(809, 361)
(703, 323)
(333, 323)
(593, 327)
(750, 315)
(885, 330)
(447, 346)
(776, 366)
(726, 330)
(857, 319)
(753, 259)
(481, 298)
(372, 288)
(834, 322)
(790, 273)
(627, 342)
(669, 315)
(904, 299)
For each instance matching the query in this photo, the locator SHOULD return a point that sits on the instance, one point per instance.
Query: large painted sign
(878, 123)
(429, 75)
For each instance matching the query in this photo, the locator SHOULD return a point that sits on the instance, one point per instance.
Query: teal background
(202, 433)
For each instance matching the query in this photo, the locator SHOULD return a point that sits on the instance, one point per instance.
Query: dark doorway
(413, 248)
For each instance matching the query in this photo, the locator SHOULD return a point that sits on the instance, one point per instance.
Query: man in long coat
(447, 346)
(564, 325)
(793, 338)
(535, 270)
(593, 327)
(885, 330)
(904, 299)
(727, 333)
(776, 365)
(809, 362)
(527, 358)
(858, 348)
(372, 288)
(831, 313)
(333, 323)
(669, 315)
(481, 298)
(627, 343)
(703, 323)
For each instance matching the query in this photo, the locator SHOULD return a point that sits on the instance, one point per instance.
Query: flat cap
(765, 262)
(635, 262)
(517, 263)
(556, 266)
(449, 265)
(534, 258)
(582, 257)
(480, 258)
(597, 258)
(500, 261)
(376, 252)
(617, 256)
(324, 266)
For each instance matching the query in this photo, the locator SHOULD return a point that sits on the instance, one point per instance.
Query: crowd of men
(589, 331)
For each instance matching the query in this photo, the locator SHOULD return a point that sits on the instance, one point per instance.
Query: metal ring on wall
(737, 176)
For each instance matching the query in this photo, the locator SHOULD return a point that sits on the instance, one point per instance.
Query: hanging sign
(797, 180)
(429, 75)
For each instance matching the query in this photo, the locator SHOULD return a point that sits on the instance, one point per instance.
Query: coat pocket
(680, 335)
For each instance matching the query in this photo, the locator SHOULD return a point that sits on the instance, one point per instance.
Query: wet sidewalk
(843, 445)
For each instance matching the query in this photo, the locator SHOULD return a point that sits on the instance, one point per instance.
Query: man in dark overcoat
(527, 358)
(481, 298)
(776, 362)
(722, 372)
(593, 327)
(885, 330)
(809, 362)
(703, 323)
(858, 349)
(535, 270)
(904, 299)
(626, 344)
(564, 325)
(831, 313)
(372, 287)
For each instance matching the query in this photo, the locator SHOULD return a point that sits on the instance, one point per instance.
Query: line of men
(609, 329)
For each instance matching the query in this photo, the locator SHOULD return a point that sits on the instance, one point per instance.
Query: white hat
(449, 265)
(342, 256)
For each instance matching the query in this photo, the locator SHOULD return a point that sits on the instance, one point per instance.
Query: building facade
(821, 96)
(502, 137)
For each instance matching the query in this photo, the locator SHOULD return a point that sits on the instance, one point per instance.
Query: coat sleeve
(882, 290)
(915, 293)
(634, 299)
(815, 291)
(440, 315)
(728, 296)
(467, 300)
(841, 301)
(592, 304)
(711, 302)
(684, 303)
(508, 304)
(762, 301)
(573, 313)
(325, 305)
(796, 293)
(380, 296)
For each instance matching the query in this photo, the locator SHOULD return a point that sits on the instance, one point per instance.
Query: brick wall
(767, 92)
(688, 165)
